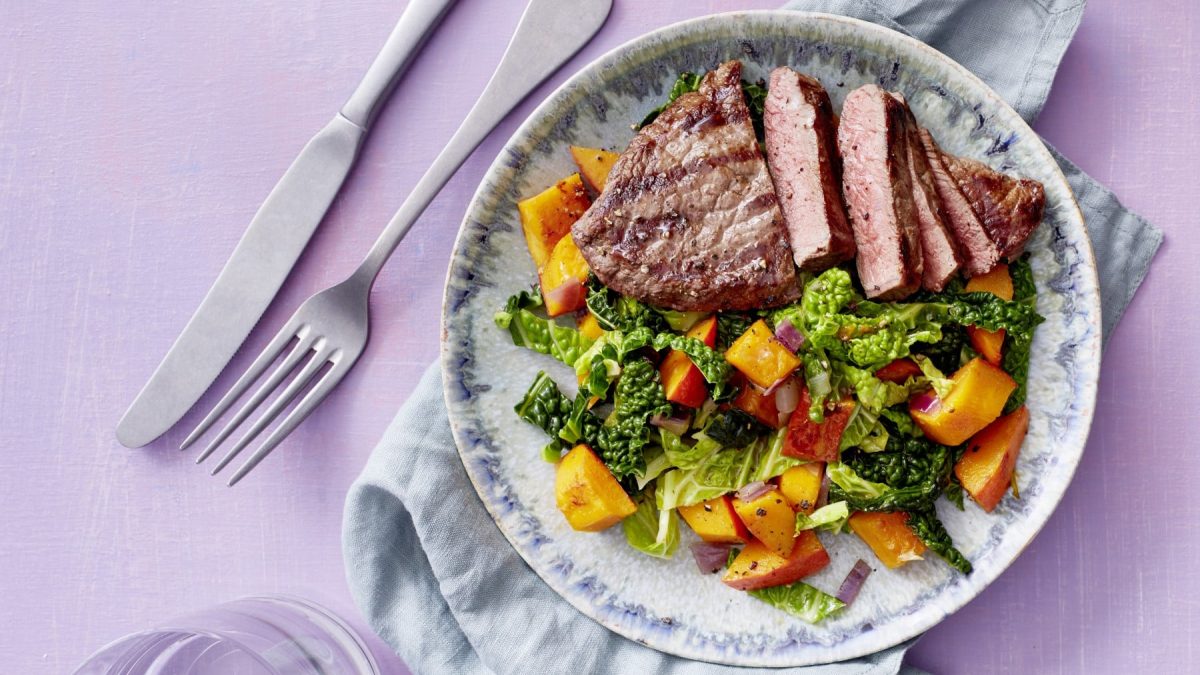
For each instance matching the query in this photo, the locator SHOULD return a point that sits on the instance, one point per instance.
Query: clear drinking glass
(275, 635)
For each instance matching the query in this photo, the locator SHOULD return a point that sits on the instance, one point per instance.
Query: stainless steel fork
(327, 334)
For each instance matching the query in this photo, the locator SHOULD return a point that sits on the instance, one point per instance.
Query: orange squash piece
(760, 357)
(587, 493)
(987, 466)
(715, 521)
(770, 519)
(990, 344)
(814, 441)
(899, 371)
(589, 326)
(548, 216)
(750, 400)
(801, 485)
(595, 165)
(566, 266)
(888, 535)
(759, 567)
(977, 397)
(683, 382)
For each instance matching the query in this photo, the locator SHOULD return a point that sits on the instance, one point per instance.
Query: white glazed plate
(669, 605)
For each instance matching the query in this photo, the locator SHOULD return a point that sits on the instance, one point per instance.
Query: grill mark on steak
(877, 184)
(689, 219)
(1009, 208)
(939, 251)
(980, 253)
(802, 155)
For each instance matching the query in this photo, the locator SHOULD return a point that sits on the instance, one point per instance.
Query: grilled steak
(1009, 208)
(877, 184)
(802, 154)
(980, 252)
(939, 251)
(688, 219)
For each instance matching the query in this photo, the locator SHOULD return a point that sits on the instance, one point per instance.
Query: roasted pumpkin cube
(989, 343)
(801, 485)
(760, 357)
(750, 400)
(595, 165)
(757, 566)
(588, 494)
(770, 519)
(817, 441)
(715, 521)
(977, 396)
(547, 217)
(986, 468)
(888, 535)
(589, 326)
(563, 278)
(682, 380)
(997, 282)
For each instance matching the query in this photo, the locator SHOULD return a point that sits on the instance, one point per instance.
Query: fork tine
(307, 404)
(293, 388)
(248, 378)
(302, 349)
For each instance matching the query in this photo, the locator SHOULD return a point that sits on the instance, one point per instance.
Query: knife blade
(276, 237)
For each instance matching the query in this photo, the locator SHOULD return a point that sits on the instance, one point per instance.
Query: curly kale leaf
(910, 475)
(756, 99)
(1017, 344)
(539, 334)
(544, 406)
(925, 524)
(623, 437)
(735, 429)
(946, 353)
(614, 311)
(730, 326)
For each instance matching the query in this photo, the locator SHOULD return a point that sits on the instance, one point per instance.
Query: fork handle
(411, 31)
(549, 33)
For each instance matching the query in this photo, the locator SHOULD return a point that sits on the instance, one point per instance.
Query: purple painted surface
(138, 138)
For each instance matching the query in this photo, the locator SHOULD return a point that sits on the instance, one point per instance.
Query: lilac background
(137, 138)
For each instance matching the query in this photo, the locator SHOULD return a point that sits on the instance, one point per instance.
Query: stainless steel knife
(275, 239)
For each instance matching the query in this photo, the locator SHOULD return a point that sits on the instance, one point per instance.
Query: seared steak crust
(877, 184)
(939, 251)
(1009, 208)
(689, 219)
(802, 155)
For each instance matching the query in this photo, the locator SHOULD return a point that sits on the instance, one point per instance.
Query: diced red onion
(710, 557)
(752, 491)
(787, 395)
(854, 581)
(676, 424)
(926, 402)
(569, 294)
(823, 493)
(788, 336)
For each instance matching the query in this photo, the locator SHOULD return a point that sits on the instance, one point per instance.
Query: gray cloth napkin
(443, 586)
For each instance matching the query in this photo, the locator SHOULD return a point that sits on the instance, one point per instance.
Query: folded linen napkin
(479, 609)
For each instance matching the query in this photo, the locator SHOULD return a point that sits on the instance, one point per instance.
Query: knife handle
(411, 31)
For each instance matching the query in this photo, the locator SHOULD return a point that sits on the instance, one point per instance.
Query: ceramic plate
(668, 605)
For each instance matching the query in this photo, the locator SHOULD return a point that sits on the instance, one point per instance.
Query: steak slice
(939, 251)
(877, 183)
(1009, 208)
(802, 155)
(689, 219)
(980, 252)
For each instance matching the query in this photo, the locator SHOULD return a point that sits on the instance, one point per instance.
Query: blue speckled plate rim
(798, 653)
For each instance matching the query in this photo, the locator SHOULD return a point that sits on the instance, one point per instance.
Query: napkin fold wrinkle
(438, 581)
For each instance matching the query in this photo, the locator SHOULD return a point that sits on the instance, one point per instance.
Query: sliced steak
(980, 252)
(802, 154)
(877, 184)
(939, 251)
(689, 219)
(1009, 208)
